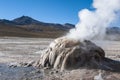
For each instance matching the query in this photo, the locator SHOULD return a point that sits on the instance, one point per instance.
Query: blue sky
(52, 11)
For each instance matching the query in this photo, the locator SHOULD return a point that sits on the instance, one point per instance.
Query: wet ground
(14, 51)
(19, 73)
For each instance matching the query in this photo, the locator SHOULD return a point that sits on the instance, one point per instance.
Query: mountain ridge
(26, 26)
(26, 20)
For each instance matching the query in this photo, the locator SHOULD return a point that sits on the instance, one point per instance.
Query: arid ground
(16, 51)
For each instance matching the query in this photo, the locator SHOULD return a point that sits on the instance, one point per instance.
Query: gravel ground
(14, 51)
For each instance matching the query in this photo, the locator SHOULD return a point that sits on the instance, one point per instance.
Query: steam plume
(93, 24)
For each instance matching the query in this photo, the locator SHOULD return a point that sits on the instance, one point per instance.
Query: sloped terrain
(15, 31)
(28, 27)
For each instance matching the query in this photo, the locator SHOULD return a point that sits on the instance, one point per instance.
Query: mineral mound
(65, 53)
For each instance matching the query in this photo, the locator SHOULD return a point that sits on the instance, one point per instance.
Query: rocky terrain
(17, 55)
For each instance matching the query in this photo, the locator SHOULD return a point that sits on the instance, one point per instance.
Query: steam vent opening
(65, 53)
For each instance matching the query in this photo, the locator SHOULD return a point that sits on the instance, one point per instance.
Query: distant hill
(113, 30)
(25, 20)
(26, 26)
(113, 33)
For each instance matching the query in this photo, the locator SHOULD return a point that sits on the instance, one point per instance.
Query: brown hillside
(15, 31)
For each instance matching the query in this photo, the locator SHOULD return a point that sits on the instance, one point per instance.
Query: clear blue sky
(52, 11)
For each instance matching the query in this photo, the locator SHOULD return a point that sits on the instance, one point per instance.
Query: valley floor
(14, 50)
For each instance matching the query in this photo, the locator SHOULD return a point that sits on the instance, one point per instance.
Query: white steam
(93, 24)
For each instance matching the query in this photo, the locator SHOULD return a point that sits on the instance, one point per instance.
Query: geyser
(64, 53)
(75, 50)
(93, 23)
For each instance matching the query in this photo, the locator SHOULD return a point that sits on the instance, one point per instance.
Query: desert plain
(17, 52)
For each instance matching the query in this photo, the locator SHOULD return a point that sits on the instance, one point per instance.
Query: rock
(51, 72)
(13, 66)
(25, 64)
(98, 77)
(64, 53)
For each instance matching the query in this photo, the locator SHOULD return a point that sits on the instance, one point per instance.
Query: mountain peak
(24, 17)
(25, 20)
